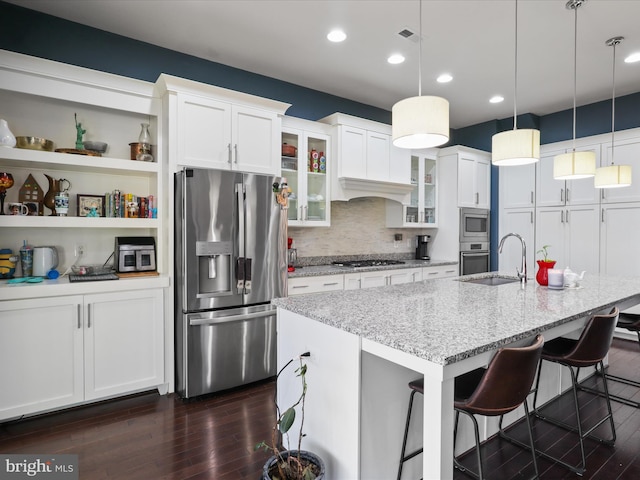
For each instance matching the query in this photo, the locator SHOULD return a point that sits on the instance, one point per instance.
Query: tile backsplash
(358, 227)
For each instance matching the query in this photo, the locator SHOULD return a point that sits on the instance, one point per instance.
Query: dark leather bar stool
(417, 386)
(588, 351)
(631, 322)
(496, 390)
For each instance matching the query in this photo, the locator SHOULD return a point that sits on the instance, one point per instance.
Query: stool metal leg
(404, 458)
(579, 469)
(531, 447)
(476, 432)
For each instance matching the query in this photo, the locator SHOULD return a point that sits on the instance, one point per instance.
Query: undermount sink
(492, 280)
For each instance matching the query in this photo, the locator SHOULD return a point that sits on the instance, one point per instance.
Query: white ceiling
(471, 39)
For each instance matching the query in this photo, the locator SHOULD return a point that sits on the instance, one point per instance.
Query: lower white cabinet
(322, 283)
(442, 271)
(123, 342)
(61, 351)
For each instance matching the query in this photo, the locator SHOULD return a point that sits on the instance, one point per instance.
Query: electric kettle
(45, 259)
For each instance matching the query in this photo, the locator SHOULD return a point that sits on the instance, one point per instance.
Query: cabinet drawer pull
(89, 316)
(561, 216)
(433, 273)
(567, 195)
(449, 271)
(566, 217)
(602, 216)
(301, 286)
(477, 198)
(235, 151)
(531, 197)
(562, 194)
(329, 284)
(79, 314)
(229, 153)
(532, 218)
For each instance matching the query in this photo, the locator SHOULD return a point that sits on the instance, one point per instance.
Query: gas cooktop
(367, 263)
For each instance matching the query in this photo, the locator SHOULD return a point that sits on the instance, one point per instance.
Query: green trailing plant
(291, 466)
(544, 253)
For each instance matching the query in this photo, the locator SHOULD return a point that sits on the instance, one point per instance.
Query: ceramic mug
(16, 208)
(62, 204)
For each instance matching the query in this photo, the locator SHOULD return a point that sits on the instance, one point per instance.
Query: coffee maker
(421, 247)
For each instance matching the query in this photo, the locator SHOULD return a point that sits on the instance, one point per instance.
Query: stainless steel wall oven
(474, 241)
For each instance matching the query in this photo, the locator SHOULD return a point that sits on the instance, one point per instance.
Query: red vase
(542, 277)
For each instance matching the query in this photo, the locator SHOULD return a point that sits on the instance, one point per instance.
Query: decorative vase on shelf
(144, 140)
(542, 277)
(7, 139)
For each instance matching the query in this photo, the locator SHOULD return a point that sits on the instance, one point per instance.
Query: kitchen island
(366, 344)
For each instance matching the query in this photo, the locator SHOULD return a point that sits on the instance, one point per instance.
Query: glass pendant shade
(574, 165)
(420, 122)
(613, 176)
(515, 147)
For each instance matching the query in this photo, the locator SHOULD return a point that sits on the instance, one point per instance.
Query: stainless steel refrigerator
(230, 261)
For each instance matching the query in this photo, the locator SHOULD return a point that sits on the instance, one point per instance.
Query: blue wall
(32, 33)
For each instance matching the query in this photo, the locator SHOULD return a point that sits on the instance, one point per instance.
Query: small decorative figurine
(79, 133)
(93, 212)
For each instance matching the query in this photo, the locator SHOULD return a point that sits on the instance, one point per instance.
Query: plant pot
(542, 277)
(304, 455)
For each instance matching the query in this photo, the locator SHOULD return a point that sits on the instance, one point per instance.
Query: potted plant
(287, 464)
(542, 277)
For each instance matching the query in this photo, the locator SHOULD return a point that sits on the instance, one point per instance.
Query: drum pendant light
(613, 176)
(422, 121)
(515, 147)
(574, 165)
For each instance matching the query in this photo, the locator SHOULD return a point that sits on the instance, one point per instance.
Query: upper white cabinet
(307, 166)
(551, 192)
(517, 186)
(420, 211)
(474, 175)
(522, 222)
(365, 161)
(212, 127)
(619, 239)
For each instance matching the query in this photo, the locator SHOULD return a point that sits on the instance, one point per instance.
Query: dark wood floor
(162, 437)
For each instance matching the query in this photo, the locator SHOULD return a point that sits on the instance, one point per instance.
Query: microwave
(474, 225)
(135, 254)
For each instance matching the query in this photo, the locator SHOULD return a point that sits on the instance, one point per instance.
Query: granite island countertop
(330, 269)
(445, 321)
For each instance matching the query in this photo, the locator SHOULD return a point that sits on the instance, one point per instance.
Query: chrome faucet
(522, 273)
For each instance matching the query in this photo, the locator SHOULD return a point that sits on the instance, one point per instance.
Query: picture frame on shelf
(87, 202)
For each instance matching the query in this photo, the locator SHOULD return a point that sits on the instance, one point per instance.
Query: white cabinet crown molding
(47, 78)
(168, 83)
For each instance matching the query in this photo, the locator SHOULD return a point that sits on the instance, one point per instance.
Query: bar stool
(417, 386)
(496, 390)
(631, 322)
(589, 350)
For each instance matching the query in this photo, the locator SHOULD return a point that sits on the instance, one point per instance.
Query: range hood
(350, 187)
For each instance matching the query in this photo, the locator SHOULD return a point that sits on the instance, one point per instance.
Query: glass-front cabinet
(420, 209)
(305, 164)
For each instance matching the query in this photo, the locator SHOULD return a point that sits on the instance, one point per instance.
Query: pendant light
(515, 147)
(613, 176)
(574, 165)
(422, 121)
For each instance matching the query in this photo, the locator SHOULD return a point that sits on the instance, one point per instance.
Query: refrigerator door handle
(232, 318)
(240, 272)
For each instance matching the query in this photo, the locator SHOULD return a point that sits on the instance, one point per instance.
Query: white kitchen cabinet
(572, 235)
(439, 271)
(517, 186)
(41, 352)
(66, 350)
(522, 222)
(309, 203)
(625, 152)
(474, 175)
(322, 283)
(212, 127)
(551, 192)
(421, 210)
(619, 239)
(123, 342)
(383, 278)
(352, 281)
(365, 161)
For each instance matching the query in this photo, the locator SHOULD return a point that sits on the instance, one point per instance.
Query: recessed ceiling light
(336, 36)
(395, 59)
(496, 99)
(634, 57)
(445, 78)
